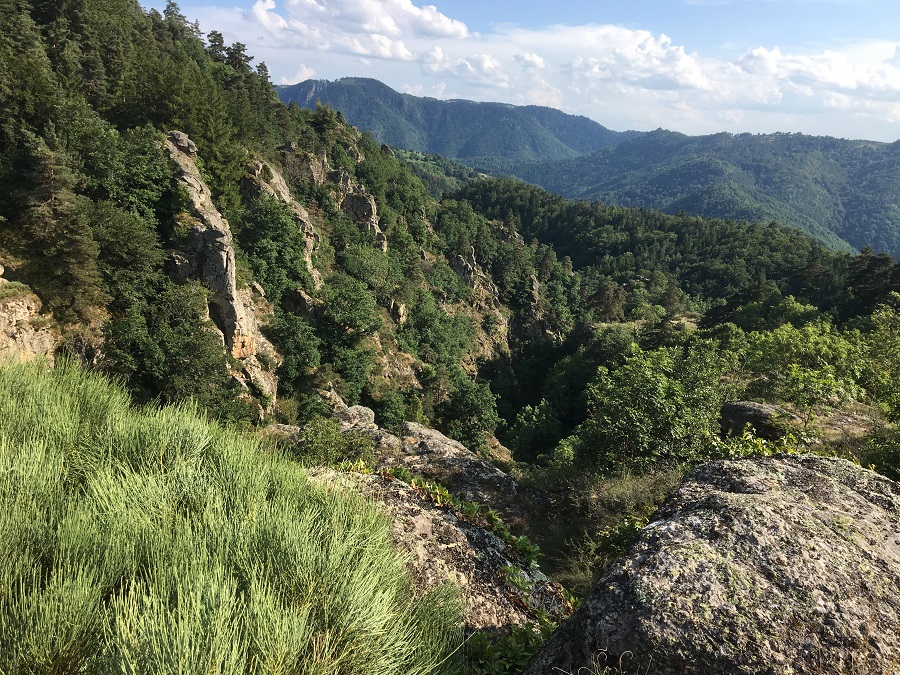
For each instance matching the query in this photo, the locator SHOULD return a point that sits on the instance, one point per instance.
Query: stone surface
(209, 257)
(430, 454)
(356, 417)
(767, 421)
(499, 588)
(24, 332)
(770, 565)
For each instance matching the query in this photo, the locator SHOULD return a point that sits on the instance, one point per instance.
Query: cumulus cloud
(302, 73)
(623, 77)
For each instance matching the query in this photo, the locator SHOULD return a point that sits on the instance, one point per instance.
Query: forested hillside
(194, 238)
(843, 192)
(457, 128)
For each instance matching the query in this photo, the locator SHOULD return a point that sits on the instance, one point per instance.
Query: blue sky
(828, 67)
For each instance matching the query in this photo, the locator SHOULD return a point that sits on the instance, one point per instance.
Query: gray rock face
(428, 453)
(350, 197)
(769, 565)
(499, 588)
(263, 180)
(356, 417)
(210, 252)
(768, 422)
(24, 332)
(209, 258)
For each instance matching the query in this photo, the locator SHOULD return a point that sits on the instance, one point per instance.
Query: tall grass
(139, 541)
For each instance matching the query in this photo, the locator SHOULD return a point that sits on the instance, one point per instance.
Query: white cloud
(530, 60)
(302, 73)
(622, 77)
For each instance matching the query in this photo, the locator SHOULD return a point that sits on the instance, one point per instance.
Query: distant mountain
(457, 129)
(845, 193)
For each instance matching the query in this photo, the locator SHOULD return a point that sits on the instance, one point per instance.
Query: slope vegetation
(456, 128)
(151, 541)
(845, 193)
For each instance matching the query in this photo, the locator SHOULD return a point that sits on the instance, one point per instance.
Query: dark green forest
(598, 343)
(843, 192)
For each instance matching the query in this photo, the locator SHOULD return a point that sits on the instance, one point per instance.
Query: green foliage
(13, 288)
(275, 247)
(809, 366)
(163, 349)
(658, 407)
(349, 310)
(536, 431)
(485, 653)
(150, 540)
(882, 453)
(324, 445)
(434, 335)
(470, 412)
(826, 186)
(297, 339)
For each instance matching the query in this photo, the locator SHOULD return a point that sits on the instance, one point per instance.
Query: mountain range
(457, 129)
(846, 193)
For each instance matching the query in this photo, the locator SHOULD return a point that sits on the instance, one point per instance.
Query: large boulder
(767, 421)
(770, 565)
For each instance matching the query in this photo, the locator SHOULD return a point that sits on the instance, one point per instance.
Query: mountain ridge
(843, 192)
(455, 128)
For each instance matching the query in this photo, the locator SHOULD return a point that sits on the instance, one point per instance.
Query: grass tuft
(151, 541)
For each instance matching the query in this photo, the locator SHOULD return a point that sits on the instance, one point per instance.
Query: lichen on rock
(499, 588)
(769, 565)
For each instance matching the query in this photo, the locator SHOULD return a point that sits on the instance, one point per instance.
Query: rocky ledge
(769, 565)
(500, 589)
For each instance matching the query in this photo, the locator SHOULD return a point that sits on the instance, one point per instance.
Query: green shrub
(13, 288)
(152, 541)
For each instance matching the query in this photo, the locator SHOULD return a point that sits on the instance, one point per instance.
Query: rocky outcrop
(767, 421)
(208, 256)
(25, 333)
(209, 253)
(349, 196)
(470, 271)
(430, 454)
(263, 180)
(499, 588)
(769, 565)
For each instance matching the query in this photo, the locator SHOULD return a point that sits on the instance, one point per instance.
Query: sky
(823, 67)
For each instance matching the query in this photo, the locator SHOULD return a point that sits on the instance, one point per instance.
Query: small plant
(516, 577)
(526, 549)
(13, 288)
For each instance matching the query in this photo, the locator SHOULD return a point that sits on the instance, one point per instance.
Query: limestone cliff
(25, 333)
(208, 256)
(349, 195)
